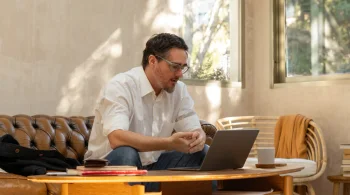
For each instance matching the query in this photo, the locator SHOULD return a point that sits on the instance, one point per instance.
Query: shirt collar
(145, 85)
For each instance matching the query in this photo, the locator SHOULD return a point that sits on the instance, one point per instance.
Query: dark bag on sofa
(26, 161)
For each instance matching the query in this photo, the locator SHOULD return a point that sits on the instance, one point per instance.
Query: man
(138, 110)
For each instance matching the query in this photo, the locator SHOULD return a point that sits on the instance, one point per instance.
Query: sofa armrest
(209, 130)
(17, 185)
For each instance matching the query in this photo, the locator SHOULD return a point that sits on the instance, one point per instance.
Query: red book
(105, 172)
(107, 168)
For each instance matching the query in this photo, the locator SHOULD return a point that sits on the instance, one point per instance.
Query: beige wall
(56, 55)
(327, 104)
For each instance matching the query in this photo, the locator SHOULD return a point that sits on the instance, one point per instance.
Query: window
(312, 40)
(211, 28)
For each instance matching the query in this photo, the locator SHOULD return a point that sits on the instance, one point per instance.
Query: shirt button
(17, 150)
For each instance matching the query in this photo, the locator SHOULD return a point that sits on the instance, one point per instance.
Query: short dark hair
(160, 44)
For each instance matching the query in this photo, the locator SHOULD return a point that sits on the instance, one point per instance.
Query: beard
(160, 78)
(170, 89)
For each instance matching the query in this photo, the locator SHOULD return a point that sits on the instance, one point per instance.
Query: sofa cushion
(310, 166)
(16, 184)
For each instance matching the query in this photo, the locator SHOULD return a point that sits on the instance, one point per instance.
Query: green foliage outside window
(317, 37)
(206, 31)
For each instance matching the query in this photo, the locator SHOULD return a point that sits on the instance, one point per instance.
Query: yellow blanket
(290, 134)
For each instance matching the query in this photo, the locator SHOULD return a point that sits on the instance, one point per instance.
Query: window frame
(240, 80)
(278, 68)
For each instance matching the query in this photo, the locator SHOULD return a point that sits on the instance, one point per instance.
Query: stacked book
(346, 160)
(100, 167)
(106, 170)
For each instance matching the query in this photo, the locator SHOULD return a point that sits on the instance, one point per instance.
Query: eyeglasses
(175, 66)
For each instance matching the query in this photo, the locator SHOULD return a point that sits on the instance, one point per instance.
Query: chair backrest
(316, 149)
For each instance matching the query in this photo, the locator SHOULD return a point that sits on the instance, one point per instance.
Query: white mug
(266, 155)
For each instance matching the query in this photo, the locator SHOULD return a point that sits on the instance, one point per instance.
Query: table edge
(155, 178)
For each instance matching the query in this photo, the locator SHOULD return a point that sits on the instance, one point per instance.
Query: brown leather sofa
(68, 135)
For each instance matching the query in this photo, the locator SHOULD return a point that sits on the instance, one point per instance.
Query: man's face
(166, 76)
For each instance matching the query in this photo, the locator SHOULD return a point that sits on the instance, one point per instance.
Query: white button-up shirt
(128, 102)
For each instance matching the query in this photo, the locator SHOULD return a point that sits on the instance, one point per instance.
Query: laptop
(229, 150)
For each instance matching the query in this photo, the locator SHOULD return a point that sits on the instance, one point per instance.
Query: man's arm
(178, 141)
(187, 119)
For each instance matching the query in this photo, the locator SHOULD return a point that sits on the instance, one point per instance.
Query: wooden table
(177, 182)
(337, 180)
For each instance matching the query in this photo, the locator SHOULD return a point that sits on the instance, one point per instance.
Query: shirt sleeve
(187, 119)
(115, 107)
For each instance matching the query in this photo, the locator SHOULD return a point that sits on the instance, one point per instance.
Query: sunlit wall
(55, 56)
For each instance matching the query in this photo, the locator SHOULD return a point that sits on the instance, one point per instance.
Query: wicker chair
(316, 149)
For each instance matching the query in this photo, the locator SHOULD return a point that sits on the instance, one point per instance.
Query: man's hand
(181, 141)
(198, 141)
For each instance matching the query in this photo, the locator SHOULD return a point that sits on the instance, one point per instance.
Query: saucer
(270, 166)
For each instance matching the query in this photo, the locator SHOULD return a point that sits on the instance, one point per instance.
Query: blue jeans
(126, 155)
